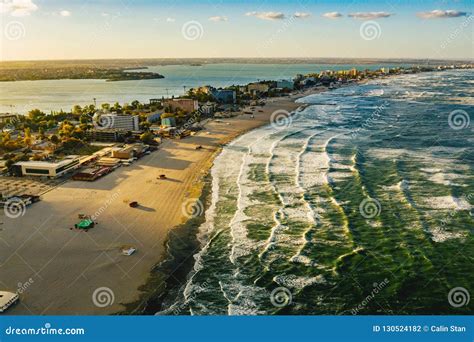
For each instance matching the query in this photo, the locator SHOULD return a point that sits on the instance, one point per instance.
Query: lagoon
(53, 95)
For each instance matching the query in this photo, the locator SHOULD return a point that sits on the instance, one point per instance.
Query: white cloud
(218, 18)
(105, 14)
(266, 15)
(302, 15)
(441, 14)
(17, 8)
(369, 15)
(170, 20)
(65, 13)
(332, 15)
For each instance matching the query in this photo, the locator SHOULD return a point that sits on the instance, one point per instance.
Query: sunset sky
(53, 29)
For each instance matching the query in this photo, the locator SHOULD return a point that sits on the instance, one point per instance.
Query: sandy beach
(60, 271)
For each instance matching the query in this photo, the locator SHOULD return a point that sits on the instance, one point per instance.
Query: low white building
(48, 169)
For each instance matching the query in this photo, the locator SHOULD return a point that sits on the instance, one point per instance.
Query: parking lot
(15, 186)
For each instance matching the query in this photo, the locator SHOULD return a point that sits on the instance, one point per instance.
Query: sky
(89, 29)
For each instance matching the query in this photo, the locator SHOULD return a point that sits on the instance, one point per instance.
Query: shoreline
(45, 246)
(171, 272)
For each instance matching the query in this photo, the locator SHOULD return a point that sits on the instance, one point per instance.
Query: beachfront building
(258, 88)
(91, 174)
(224, 95)
(220, 95)
(155, 116)
(187, 105)
(128, 151)
(121, 122)
(105, 135)
(4, 117)
(46, 168)
(285, 84)
(168, 122)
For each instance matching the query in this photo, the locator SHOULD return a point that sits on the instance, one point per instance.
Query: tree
(77, 110)
(145, 125)
(41, 133)
(27, 140)
(147, 138)
(35, 114)
(117, 108)
(54, 139)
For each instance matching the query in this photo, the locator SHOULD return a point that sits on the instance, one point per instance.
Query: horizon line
(242, 58)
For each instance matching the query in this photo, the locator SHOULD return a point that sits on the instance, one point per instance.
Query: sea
(54, 95)
(360, 202)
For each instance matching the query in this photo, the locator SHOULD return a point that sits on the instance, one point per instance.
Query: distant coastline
(121, 69)
(72, 72)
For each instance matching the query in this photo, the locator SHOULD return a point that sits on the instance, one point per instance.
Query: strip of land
(59, 269)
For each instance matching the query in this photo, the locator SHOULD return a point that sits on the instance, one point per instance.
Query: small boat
(128, 251)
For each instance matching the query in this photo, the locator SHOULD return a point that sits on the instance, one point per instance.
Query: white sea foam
(447, 202)
(298, 283)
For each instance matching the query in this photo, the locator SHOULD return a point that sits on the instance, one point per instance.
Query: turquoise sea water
(22, 96)
(362, 203)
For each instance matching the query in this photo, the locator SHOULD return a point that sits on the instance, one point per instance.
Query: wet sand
(60, 271)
